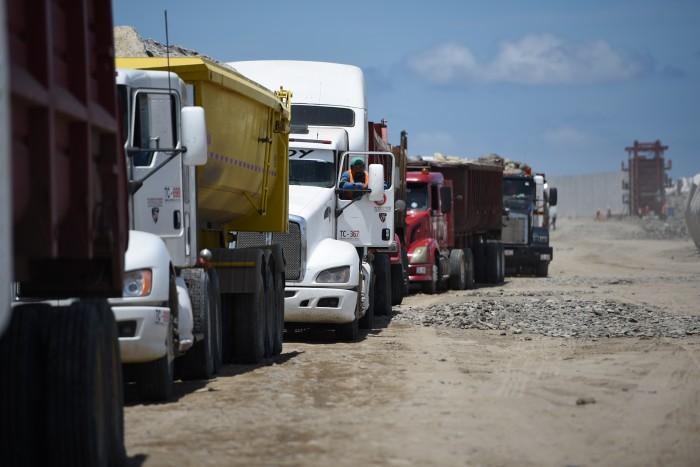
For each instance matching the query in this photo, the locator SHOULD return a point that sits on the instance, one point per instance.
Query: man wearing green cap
(356, 178)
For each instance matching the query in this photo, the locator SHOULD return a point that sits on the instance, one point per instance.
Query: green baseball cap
(357, 161)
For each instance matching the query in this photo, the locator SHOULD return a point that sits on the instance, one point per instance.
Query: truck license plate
(420, 270)
(545, 257)
(508, 252)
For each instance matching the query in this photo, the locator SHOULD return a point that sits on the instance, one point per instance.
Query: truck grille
(515, 230)
(291, 246)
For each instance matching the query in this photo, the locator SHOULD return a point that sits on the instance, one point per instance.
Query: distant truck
(338, 267)
(453, 224)
(526, 200)
(63, 235)
(197, 176)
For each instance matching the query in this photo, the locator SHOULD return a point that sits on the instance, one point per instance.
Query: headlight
(420, 255)
(137, 283)
(334, 275)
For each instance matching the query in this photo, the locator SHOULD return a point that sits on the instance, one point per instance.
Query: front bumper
(150, 328)
(420, 272)
(301, 305)
(526, 255)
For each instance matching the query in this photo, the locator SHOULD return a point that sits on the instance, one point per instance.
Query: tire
(480, 262)
(198, 362)
(63, 404)
(367, 321)
(431, 287)
(279, 313)
(397, 284)
(154, 380)
(248, 321)
(381, 271)
(458, 270)
(542, 269)
(469, 264)
(492, 263)
(217, 327)
(349, 332)
(270, 299)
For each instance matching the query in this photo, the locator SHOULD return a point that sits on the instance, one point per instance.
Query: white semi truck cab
(330, 267)
(164, 140)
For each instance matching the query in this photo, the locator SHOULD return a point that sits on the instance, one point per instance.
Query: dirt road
(423, 395)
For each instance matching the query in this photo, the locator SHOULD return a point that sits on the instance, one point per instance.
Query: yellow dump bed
(244, 185)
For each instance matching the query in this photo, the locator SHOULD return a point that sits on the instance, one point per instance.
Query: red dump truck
(453, 224)
(64, 234)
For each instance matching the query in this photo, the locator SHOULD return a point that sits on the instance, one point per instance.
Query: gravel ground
(556, 317)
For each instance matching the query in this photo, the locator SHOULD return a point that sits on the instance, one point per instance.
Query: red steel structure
(647, 177)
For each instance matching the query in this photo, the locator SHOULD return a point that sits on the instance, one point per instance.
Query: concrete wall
(583, 195)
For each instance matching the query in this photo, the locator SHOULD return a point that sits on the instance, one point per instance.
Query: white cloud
(534, 59)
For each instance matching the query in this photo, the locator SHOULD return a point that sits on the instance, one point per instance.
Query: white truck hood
(305, 201)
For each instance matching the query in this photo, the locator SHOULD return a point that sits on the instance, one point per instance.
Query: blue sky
(563, 85)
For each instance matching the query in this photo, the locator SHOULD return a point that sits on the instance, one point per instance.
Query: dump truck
(337, 244)
(207, 161)
(63, 236)
(527, 198)
(453, 224)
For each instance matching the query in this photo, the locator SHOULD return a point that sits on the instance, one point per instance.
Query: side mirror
(376, 182)
(194, 135)
(400, 205)
(552, 196)
(445, 199)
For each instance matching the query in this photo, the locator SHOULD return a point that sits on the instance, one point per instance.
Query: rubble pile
(128, 43)
(673, 226)
(556, 317)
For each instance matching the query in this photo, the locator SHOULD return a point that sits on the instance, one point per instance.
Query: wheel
(154, 380)
(248, 321)
(431, 286)
(270, 298)
(279, 313)
(492, 262)
(227, 304)
(381, 270)
(367, 321)
(217, 328)
(458, 270)
(348, 332)
(198, 362)
(542, 269)
(480, 262)
(397, 284)
(65, 392)
(469, 265)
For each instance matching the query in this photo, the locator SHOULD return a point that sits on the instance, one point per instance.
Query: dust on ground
(435, 395)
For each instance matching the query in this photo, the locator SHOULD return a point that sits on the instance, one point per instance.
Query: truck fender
(330, 253)
(430, 243)
(185, 318)
(147, 251)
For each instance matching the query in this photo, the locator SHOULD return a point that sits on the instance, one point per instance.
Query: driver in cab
(356, 178)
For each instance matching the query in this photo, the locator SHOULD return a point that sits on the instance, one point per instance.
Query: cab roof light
(305, 140)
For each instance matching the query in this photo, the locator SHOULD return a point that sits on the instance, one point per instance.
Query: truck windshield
(417, 196)
(312, 167)
(316, 115)
(518, 188)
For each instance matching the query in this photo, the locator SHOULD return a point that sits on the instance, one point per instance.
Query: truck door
(366, 219)
(158, 205)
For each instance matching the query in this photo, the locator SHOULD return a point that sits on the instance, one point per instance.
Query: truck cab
(526, 224)
(329, 264)
(428, 205)
(164, 141)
